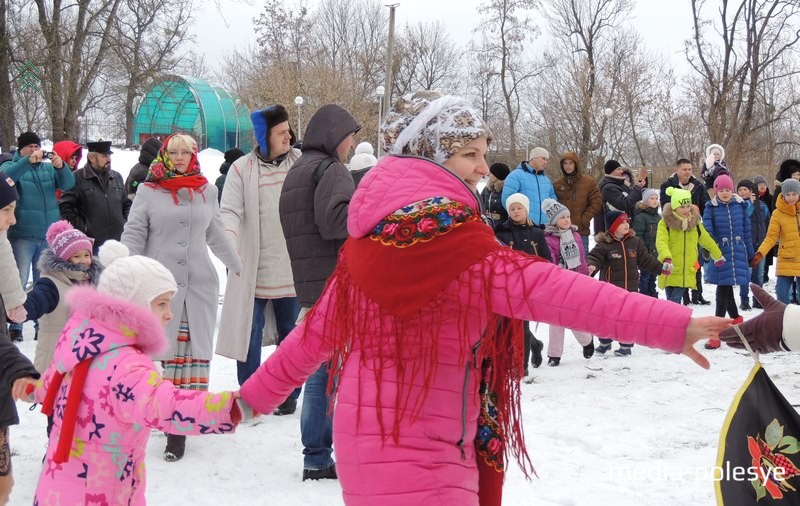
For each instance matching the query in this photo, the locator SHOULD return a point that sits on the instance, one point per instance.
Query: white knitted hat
(518, 198)
(554, 210)
(135, 278)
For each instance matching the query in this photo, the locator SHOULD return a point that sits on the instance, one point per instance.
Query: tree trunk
(7, 134)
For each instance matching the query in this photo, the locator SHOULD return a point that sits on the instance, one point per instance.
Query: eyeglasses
(175, 154)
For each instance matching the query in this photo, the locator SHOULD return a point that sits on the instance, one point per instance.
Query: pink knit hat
(65, 240)
(723, 182)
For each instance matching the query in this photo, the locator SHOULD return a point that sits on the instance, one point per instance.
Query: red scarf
(193, 183)
(70, 415)
(405, 289)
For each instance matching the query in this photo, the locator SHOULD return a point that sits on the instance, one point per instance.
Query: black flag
(758, 460)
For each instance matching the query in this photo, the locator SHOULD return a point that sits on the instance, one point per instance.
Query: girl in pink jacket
(106, 395)
(416, 322)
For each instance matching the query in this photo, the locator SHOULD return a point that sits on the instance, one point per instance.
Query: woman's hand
(700, 329)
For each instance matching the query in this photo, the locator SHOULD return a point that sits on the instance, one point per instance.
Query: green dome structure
(215, 117)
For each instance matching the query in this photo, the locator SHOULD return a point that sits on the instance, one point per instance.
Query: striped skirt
(183, 370)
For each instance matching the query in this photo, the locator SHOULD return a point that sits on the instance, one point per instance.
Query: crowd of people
(400, 297)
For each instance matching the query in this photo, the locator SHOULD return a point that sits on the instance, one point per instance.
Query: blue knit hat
(264, 121)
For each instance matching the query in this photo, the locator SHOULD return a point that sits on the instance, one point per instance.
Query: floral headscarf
(162, 173)
(432, 126)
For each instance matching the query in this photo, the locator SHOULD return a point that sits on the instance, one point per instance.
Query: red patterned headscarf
(162, 171)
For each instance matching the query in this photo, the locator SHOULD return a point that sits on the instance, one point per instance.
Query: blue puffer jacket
(37, 207)
(729, 225)
(534, 185)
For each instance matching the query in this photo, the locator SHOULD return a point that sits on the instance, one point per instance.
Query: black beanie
(611, 166)
(233, 154)
(500, 171)
(28, 138)
(8, 190)
(747, 184)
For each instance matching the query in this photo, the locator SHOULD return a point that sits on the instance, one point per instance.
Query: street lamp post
(608, 112)
(236, 109)
(298, 101)
(380, 90)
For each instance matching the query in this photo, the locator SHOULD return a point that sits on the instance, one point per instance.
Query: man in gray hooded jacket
(313, 209)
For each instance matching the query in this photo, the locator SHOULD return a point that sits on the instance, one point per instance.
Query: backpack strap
(322, 167)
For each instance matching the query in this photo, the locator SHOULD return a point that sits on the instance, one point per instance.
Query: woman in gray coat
(175, 219)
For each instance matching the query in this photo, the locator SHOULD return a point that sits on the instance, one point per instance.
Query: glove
(667, 267)
(756, 259)
(719, 261)
(764, 333)
(241, 411)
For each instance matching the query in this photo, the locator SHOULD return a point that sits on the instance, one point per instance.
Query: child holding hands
(784, 227)
(519, 232)
(17, 373)
(727, 220)
(618, 256)
(106, 394)
(566, 250)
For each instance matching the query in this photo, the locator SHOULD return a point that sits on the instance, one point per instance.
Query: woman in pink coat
(417, 322)
(106, 394)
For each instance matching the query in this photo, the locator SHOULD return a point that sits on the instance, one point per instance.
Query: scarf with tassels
(70, 416)
(391, 294)
(162, 173)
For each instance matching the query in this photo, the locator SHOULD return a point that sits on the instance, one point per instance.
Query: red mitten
(667, 267)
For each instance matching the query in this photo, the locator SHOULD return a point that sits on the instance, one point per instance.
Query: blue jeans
(585, 239)
(316, 424)
(286, 311)
(783, 288)
(647, 283)
(675, 293)
(26, 253)
(757, 277)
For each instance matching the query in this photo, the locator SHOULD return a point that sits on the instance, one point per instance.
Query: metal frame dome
(215, 117)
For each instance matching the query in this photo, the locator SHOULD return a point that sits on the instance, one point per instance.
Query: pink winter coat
(123, 398)
(427, 466)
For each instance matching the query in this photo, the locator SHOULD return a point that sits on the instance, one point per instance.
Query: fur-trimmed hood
(673, 221)
(49, 263)
(606, 237)
(721, 151)
(100, 323)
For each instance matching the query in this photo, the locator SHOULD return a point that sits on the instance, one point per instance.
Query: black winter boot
(536, 352)
(176, 447)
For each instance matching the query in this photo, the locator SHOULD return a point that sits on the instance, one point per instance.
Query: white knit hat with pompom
(135, 278)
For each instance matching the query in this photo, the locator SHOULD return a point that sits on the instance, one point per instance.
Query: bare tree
(78, 37)
(505, 33)
(7, 133)
(147, 45)
(426, 58)
(747, 43)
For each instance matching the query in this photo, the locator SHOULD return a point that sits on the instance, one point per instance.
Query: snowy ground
(632, 431)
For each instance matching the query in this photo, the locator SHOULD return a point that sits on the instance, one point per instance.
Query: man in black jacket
(684, 179)
(313, 208)
(98, 204)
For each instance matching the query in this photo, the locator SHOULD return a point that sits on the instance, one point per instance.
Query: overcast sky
(664, 25)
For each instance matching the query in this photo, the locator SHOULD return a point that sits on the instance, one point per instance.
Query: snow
(608, 430)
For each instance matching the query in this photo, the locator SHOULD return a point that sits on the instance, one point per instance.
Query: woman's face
(181, 158)
(469, 162)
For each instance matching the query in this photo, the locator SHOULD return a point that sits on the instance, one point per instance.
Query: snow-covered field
(641, 430)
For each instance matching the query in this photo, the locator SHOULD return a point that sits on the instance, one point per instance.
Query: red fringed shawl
(392, 291)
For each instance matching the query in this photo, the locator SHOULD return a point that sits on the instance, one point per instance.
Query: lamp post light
(380, 90)
(298, 101)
